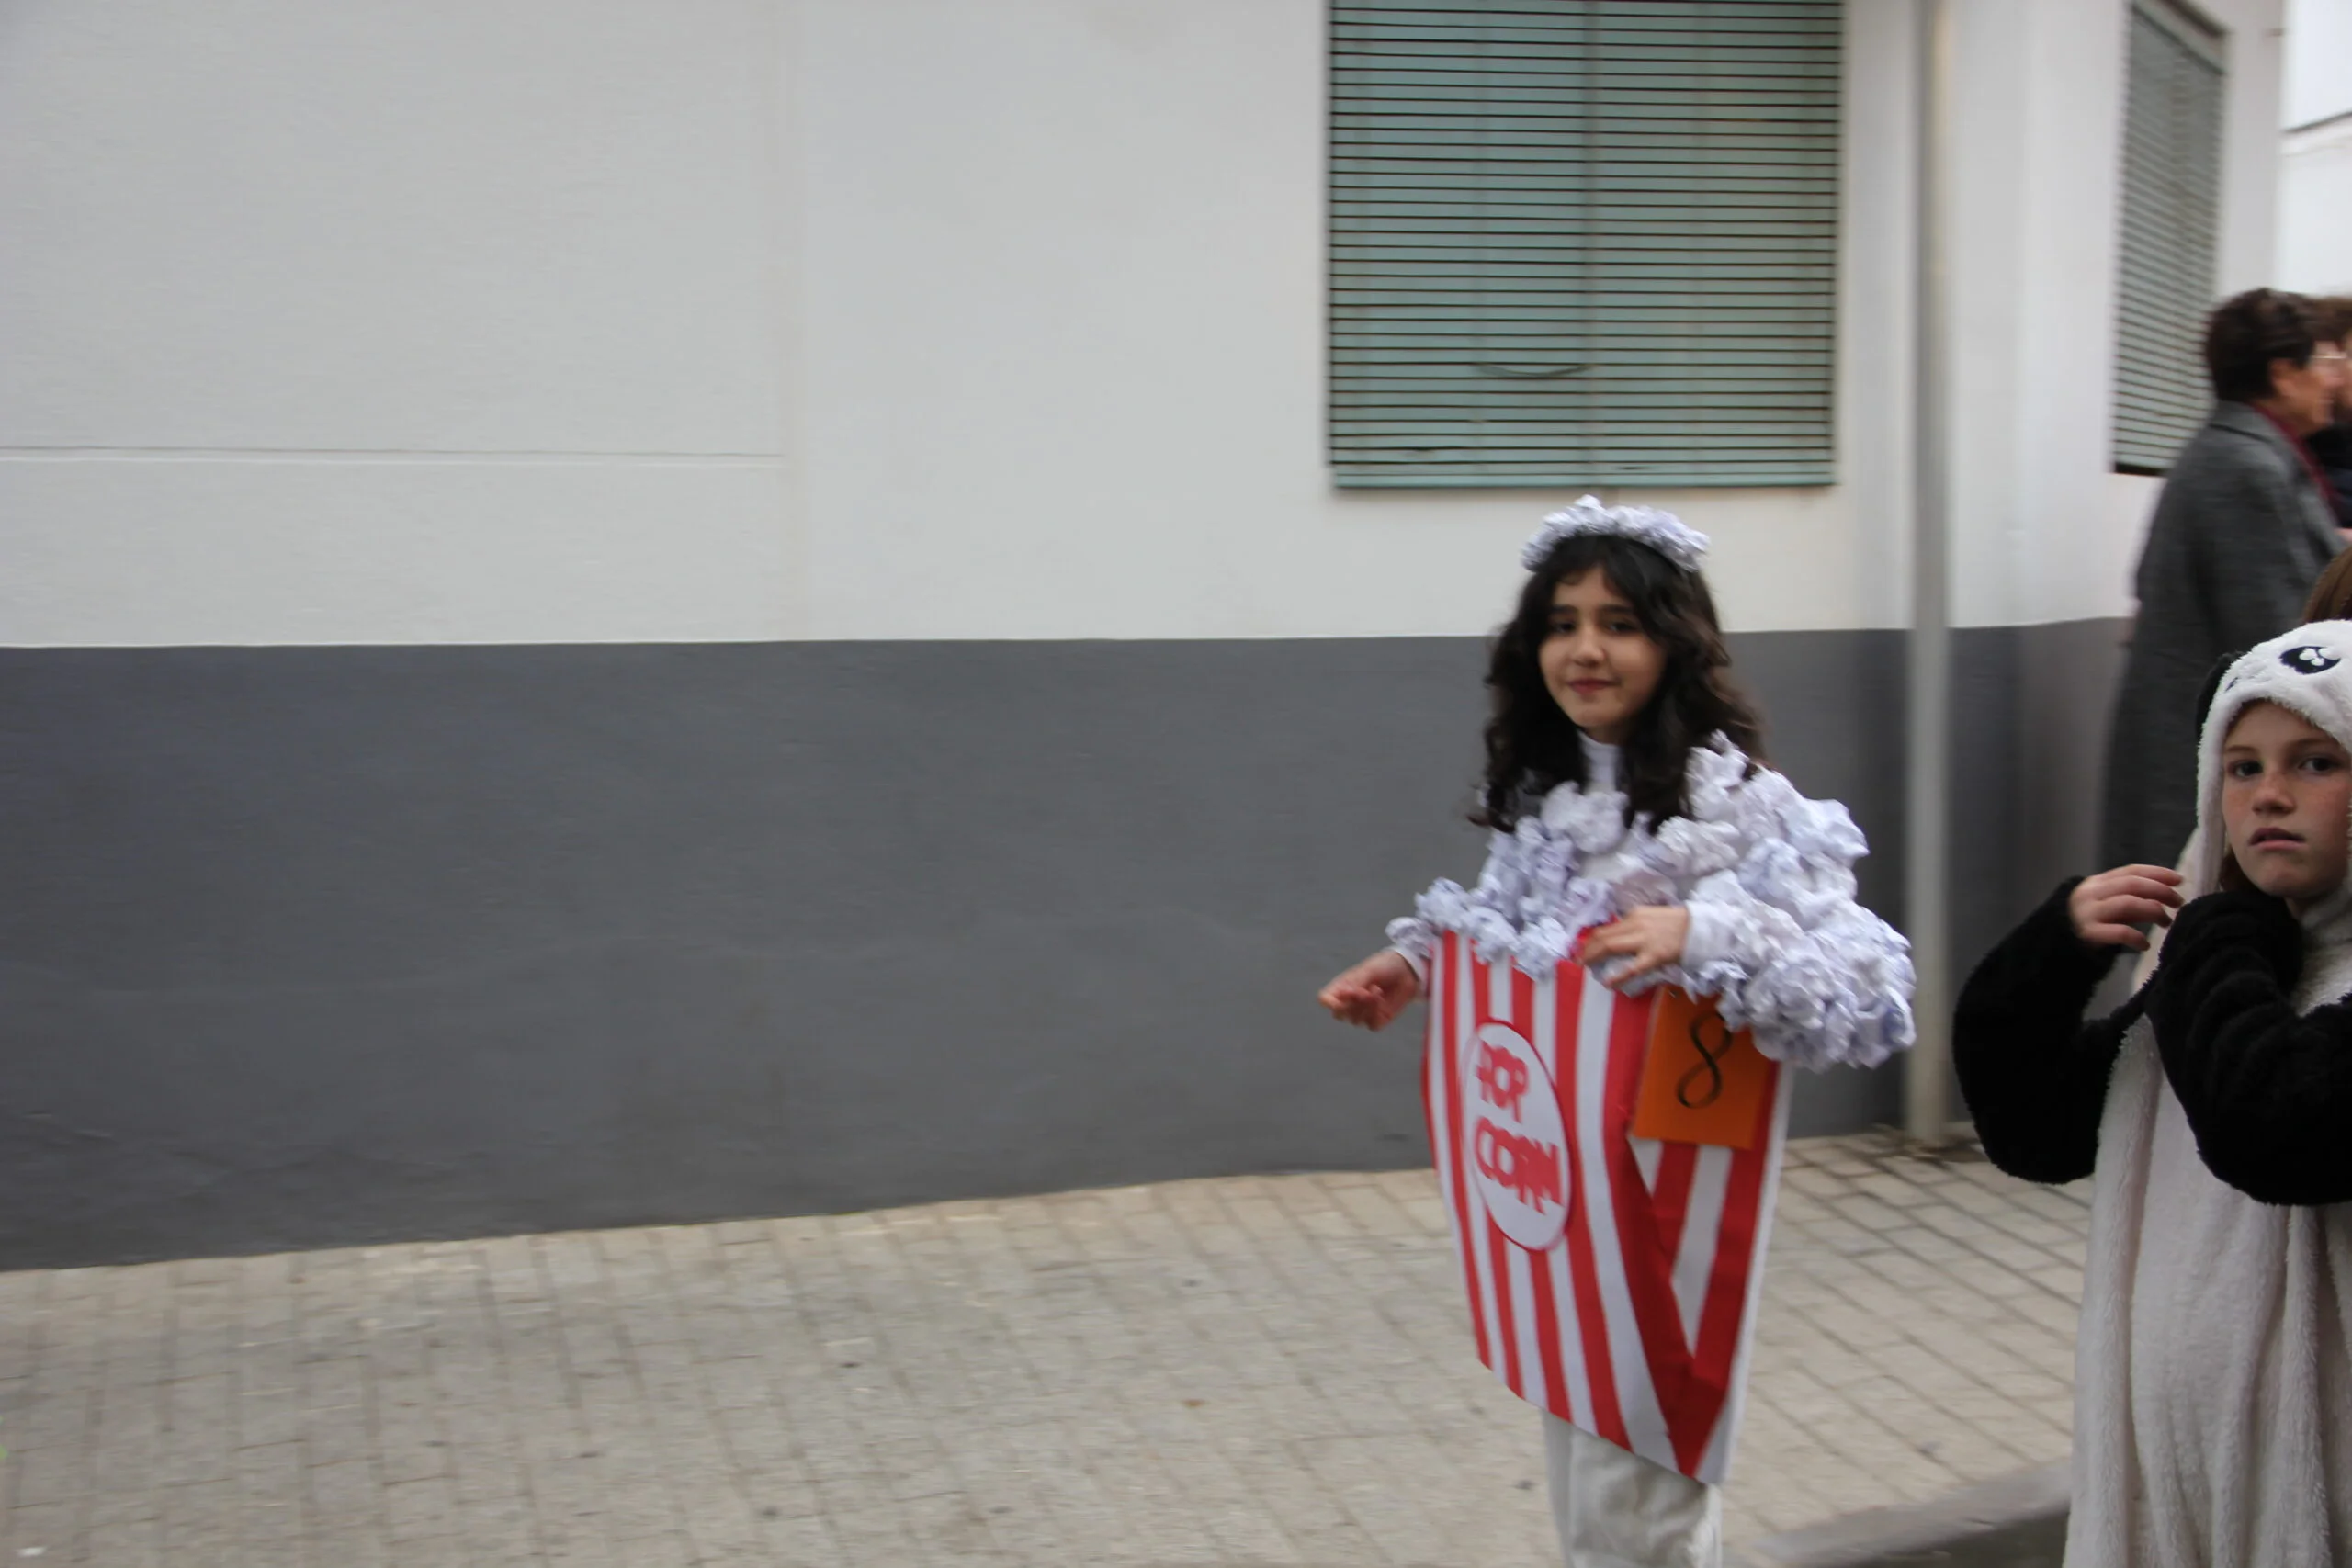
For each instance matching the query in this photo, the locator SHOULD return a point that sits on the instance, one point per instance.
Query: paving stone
(1270, 1370)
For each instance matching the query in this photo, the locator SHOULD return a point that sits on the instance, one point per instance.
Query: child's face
(1597, 663)
(2286, 790)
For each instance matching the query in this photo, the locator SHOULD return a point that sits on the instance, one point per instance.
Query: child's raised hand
(1372, 992)
(1651, 936)
(2105, 907)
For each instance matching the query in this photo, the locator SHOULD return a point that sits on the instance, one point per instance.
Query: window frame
(1738, 273)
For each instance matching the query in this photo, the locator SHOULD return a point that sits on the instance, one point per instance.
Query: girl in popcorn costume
(1635, 832)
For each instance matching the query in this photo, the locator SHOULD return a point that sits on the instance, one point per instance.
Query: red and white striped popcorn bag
(1609, 1163)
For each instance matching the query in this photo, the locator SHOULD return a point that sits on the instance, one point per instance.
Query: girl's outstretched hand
(2105, 907)
(1374, 991)
(1651, 937)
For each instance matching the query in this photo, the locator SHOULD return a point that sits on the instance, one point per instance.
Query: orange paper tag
(1700, 1083)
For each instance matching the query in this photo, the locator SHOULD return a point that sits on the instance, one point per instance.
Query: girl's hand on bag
(1651, 936)
(1373, 992)
(2105, 907)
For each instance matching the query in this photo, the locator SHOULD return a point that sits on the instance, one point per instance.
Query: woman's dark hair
(2335, 317)
(1531, 745)
(2331, 597)
(2245, 333)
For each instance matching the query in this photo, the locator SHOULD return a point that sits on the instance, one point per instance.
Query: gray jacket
(2240, 535)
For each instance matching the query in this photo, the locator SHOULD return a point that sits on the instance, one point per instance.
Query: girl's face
(2286, 793)
(1597, 663)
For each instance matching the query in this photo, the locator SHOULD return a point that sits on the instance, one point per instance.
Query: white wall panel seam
(1118, 434)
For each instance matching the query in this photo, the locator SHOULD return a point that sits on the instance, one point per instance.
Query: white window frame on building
(1584, 241)
(2175, 86)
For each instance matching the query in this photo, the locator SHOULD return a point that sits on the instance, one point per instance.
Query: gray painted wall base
(306, 947)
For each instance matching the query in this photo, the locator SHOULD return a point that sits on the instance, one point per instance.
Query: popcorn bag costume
(1609, 1160)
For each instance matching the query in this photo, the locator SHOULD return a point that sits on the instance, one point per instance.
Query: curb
(2016, 1520)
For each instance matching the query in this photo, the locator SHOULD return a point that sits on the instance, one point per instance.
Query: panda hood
(2307, 671)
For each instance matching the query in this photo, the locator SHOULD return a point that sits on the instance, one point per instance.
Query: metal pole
(1927, 904)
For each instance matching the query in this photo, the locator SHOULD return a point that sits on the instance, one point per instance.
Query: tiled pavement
(1239, 1371)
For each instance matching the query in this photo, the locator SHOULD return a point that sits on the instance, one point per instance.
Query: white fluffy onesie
(2213, 1113)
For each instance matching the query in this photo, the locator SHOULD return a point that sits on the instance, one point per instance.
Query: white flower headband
(1661, 531)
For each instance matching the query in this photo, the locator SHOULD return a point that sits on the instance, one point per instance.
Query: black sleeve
(2034, 1073)
(2269, 1093)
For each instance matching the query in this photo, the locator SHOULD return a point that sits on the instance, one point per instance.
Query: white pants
(1616, 1509)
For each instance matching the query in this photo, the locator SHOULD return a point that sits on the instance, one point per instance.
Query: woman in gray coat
(2242, 531)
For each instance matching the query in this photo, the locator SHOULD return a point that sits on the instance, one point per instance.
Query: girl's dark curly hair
(1531, 745)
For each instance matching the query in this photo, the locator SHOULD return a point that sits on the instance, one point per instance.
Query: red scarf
(2310, 464)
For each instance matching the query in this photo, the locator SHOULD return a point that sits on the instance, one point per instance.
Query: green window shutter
(1576, 243)
(2172, 198)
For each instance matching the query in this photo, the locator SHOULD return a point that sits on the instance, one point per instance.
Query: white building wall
(2044, 530)
(2315, 208)
(390, 323)
(2317, 44)
(2315, 158)
(777, 318)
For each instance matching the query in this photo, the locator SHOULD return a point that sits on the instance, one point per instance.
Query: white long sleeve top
(1776, 935)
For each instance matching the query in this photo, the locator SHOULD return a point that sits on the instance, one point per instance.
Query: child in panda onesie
(2213, 1113)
